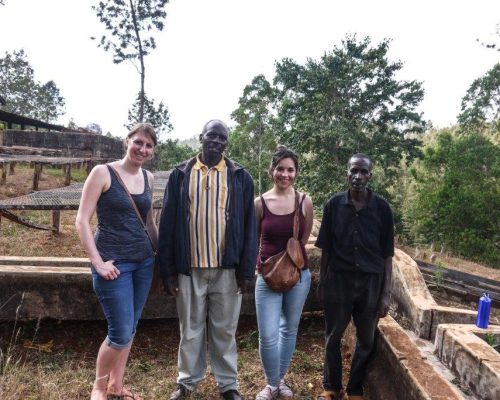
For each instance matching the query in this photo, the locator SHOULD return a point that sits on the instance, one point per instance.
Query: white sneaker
(284, 390)
(267, 394)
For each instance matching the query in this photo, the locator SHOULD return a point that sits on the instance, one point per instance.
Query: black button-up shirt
(357, 240)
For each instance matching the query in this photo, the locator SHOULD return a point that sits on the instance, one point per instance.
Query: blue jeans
(278, 317)
(122, 299)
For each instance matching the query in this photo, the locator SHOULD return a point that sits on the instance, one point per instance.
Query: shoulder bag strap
(120, 181)
(296, 217)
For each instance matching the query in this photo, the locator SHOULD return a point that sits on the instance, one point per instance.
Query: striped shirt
(208, 201)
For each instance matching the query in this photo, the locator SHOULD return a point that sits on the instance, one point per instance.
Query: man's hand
(171, 285)
(244, 285)
(383, 306)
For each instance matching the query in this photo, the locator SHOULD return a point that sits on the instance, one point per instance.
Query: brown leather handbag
(282, 271)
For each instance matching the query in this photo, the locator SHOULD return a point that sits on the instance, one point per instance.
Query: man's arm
(166, 235)
(249, 254)
(322, 274)
(385, 297)
(388, 249)
(323, 242)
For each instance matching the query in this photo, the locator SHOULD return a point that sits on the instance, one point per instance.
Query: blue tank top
(120, 235)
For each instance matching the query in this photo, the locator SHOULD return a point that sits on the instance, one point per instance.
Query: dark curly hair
(281, 153)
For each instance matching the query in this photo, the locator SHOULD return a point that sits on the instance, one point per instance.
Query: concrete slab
(413, 376)
(414, 301)
(489, 382)
(54, 261)
(473, 361)
(63, 290)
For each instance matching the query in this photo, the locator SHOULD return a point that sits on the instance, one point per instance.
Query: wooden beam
(3, 179)
(56, 220)
(67, 174)
(22, 221)
(37, 174)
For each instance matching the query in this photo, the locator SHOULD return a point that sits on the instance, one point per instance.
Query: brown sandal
(329, 395)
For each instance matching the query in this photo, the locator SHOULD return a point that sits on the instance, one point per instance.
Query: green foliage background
(442, 184)
(454, 199)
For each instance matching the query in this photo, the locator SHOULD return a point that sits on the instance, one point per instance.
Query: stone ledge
(473, 360)
(63, 290)
(52, 261)
(413, 377)
(415, 302)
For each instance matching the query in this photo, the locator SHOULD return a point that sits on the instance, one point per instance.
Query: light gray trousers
(208, 305)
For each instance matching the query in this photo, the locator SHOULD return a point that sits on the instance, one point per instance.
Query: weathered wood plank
(22, 221)
(56, 220)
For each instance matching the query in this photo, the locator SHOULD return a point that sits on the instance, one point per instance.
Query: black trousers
(347, 294)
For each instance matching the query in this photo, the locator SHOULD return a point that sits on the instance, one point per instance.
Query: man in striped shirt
(208, 250)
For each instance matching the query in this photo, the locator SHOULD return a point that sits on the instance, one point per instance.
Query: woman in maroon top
(278, 313)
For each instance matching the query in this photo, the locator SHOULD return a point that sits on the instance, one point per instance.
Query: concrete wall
(471, 359)
(399, 370)
(71, 143)
(414, 301)
(61, 288)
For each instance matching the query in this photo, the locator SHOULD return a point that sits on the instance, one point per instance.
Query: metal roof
(68, 197)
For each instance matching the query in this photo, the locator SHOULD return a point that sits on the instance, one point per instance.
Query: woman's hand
(107, 270)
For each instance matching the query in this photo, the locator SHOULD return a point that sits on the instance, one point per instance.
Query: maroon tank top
(275, 230)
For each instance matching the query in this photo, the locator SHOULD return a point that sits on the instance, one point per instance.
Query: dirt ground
(14, 237)
(65, 369)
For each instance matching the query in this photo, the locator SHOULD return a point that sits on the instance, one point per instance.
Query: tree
(252, 141)
(455, 199)
(492, 44)
(131, 24)
(23, 94)
(156, 115)
(170, 153)
(481, 103)
(49, 101)
(94, 128)
(348, 101)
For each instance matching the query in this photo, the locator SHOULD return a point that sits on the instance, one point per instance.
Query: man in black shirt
(357, 242)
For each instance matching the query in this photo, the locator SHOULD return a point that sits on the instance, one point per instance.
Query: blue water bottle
(483, 311)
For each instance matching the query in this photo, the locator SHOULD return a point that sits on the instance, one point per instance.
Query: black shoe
(182, 392)
(231, 395)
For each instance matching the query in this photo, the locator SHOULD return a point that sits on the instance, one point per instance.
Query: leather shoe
(182, 392)
(231, 394)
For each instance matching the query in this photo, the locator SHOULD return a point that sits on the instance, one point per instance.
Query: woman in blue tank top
(121, 254)
(278, 313)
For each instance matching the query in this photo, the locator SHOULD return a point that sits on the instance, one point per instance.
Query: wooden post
(11, 169)
(67, 174)
(36, 175)
(3, 180)
(56, 221)
(90, 165)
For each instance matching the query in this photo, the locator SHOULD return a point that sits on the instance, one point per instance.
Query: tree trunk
(141, 59)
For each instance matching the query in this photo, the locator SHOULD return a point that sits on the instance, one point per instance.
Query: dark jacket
(241, 236)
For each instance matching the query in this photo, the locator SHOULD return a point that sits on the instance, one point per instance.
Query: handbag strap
(296, 217)
(120, 181)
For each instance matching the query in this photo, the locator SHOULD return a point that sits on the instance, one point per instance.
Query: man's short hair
(214, 121)
(360, 155)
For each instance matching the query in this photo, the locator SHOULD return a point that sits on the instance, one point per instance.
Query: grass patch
(68, 371)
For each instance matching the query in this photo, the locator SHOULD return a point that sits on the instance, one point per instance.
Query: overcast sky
(209, 50)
